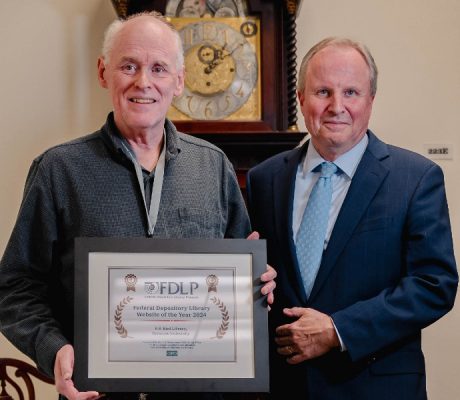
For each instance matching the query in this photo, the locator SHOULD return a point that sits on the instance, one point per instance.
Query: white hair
(115, 27)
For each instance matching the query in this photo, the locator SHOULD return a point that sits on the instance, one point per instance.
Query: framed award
(163, 315)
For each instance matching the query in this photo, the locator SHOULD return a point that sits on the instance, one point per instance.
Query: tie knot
(328, 169)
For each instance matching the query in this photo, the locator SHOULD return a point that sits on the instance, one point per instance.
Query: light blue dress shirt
(306, 179)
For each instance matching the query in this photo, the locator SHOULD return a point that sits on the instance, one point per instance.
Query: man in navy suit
(388, 268)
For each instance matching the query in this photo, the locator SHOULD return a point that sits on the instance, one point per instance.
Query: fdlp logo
(171, 353)
(171, 287)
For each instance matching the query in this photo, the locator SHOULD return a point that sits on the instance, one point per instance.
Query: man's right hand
(63, 370)
(311, 335)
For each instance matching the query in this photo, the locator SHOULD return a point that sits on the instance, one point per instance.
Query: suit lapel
(369, 175)
(283, 194)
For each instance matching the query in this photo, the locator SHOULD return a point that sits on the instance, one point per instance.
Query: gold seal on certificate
(131, 281)
(212, 282)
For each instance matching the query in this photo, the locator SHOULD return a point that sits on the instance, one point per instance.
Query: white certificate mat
(170, 315)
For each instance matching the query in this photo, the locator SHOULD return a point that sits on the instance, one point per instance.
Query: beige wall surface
(50, 95)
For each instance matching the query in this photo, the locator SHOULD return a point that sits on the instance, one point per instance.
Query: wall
(50, 94)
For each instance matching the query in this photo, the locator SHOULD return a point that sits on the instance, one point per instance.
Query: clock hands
(211, 7)
(207, 54)
(218, 56)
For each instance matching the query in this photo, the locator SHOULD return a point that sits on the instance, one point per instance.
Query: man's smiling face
(142, 75)
(337, 100)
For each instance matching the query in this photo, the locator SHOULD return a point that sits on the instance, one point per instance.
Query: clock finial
(121, 8)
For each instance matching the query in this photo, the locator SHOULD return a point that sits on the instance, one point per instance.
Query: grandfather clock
(240, 59)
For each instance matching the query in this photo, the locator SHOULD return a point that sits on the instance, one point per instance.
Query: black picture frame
(95, 261)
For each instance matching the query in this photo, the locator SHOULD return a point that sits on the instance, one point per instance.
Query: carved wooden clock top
(199, 8)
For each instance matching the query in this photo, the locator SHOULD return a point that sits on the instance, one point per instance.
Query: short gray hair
(339, 42)
(114, 28)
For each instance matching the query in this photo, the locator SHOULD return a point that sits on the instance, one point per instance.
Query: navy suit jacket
(388, 272)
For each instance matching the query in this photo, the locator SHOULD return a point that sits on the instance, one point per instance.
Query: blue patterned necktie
(312, 231)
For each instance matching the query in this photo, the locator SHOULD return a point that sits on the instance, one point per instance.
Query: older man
(136, 176)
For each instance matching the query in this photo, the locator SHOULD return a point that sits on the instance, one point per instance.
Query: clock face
(222, 72)
(222, 78)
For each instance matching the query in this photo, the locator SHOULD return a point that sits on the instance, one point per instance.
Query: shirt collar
(347, 162)
(169, 131)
